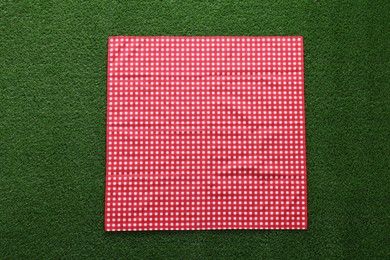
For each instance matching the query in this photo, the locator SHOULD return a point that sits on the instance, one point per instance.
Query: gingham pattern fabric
(205, 133)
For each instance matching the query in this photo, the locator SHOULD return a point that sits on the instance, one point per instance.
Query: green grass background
(52, 126)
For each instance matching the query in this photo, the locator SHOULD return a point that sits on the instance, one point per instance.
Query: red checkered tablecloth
(205, 133)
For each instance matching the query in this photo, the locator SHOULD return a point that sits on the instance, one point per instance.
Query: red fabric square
(205, 133)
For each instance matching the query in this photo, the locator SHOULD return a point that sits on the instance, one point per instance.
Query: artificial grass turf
(52, 127)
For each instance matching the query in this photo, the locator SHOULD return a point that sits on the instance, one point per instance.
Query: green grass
(52, 126)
